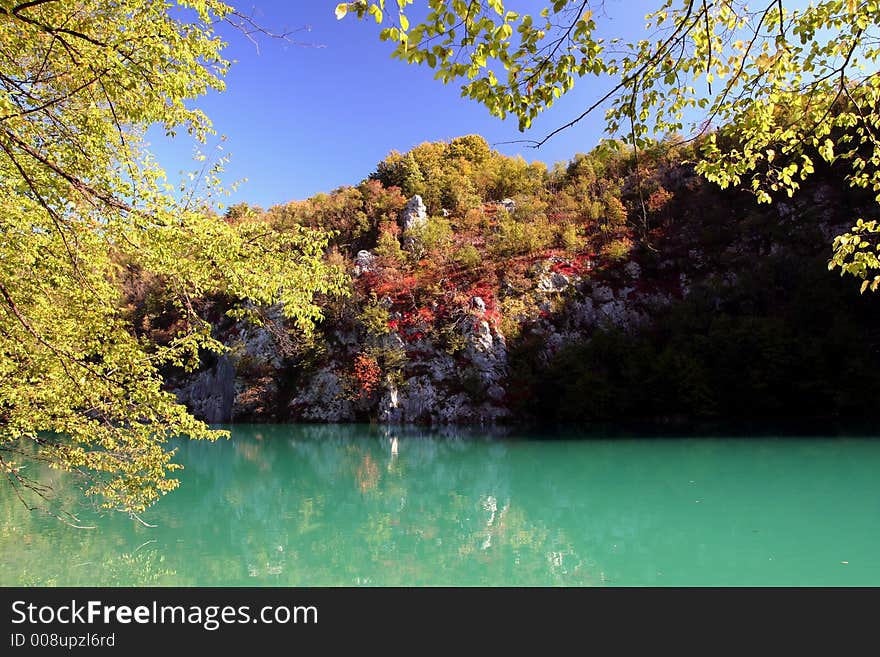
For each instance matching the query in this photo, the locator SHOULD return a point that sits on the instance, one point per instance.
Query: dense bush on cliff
(459, 175)
(597, 290)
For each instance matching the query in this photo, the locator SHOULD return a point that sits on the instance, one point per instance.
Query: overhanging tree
(769, 89)
(80, 195)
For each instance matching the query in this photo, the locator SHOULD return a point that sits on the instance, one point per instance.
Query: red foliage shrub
(414, 324)
(658, 200)
(389, 228)
(368, 374)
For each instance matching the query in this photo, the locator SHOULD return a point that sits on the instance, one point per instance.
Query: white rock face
(481, 342)
(389, 406)
(583, 314)
(347, 338)
(602, 293)
(211, 393)
(632, 269)
(550, 281)
(322, 400)
(393, 401)
(441, 367)
(243, 381)
(487, 352)
(553, 281)
(434, 396)
(417, 402)
(257, 346)
(414, 213)
(615, 313)
(422, 401)
(364, 262)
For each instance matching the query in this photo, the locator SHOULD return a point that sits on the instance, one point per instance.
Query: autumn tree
(771, 90)
(81, 198)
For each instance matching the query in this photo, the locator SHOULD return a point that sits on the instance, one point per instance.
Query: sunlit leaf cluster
(81, 199)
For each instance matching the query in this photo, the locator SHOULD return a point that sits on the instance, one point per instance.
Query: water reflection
(297, 506)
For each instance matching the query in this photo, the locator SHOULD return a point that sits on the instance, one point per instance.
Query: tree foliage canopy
(81, 200)
(770, 90)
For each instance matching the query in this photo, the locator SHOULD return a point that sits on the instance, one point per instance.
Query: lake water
(361, 505)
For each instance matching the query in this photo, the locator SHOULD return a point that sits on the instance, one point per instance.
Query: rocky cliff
(575, 299)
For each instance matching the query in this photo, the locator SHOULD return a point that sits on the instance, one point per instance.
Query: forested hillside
(485, 289)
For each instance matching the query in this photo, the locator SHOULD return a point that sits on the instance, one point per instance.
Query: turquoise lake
(282, 505)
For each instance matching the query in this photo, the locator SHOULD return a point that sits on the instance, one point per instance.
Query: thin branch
(143, 522)
(708, 45)
(674, 39)
(78, 183)
(249, 27)
(54, 31)
(546, 61)
(27, 5)
(54, 101)
(17, 481)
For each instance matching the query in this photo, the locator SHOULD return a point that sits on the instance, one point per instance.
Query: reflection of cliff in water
(334, 505)
(294, 505)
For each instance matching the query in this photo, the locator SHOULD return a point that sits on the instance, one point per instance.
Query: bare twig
(251, 29)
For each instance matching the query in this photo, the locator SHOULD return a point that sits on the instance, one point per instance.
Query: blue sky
(302, 119)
